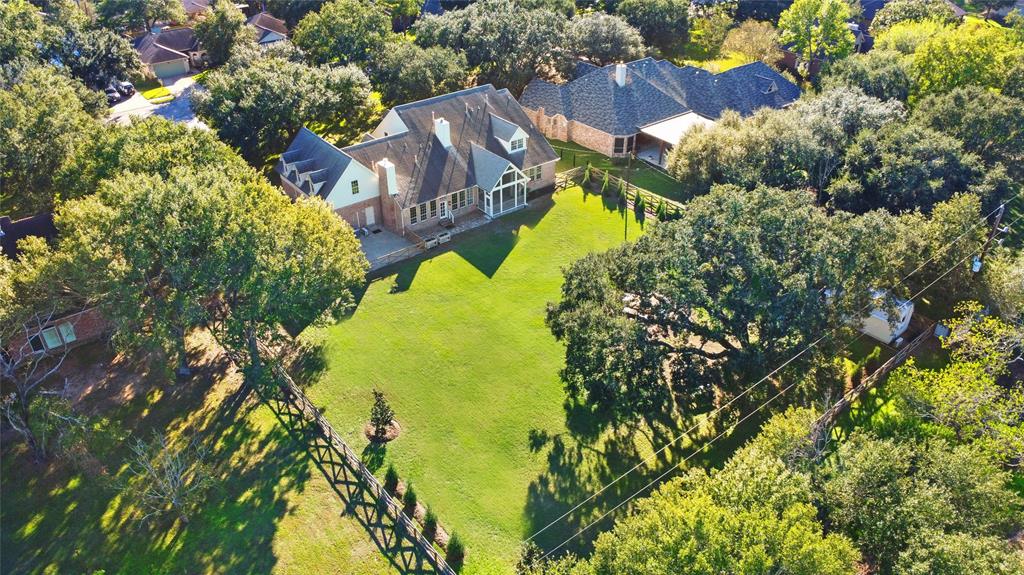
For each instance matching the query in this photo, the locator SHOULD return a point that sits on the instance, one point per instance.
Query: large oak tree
(715, 300)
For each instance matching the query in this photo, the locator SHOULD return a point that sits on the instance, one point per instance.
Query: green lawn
(640, 174)
(457, 342)
(270, 511)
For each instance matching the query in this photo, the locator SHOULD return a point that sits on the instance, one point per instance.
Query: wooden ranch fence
(828, 419)
(382, 514)
(574, 176)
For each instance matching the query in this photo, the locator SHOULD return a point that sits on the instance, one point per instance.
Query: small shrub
(604, 184)
(662, 210)
(430, 524)
(381, 414)
(456, 550)
(586, 173)
(409, 499)
(639, 204)
(390, 479)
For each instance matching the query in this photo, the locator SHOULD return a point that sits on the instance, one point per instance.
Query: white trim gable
(391, 124)
(341, 196)
(519, 134)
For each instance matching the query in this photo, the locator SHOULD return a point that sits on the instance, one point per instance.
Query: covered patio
(655, 141)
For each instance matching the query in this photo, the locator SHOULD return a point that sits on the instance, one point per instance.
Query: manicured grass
(640, 174)
(457, 343)
(270, 511)
(158, 95)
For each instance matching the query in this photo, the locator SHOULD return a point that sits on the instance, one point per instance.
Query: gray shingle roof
(487, 167)
(425, 169)
(310, 154)
(264, 22)
(502, 128)
(656, 90)
(166, 45)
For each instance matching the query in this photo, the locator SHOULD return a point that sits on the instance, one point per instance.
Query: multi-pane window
(53, 337)
(533, 173)
(624, 144)
(355, 187)
(433, 208)
(460, 199)
(517, 144)
(412, 215)
(423, 212)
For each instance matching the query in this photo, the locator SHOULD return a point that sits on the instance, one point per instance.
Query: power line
(810, 346)
(735, 425)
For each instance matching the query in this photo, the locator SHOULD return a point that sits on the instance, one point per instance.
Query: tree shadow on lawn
(596, 451)
(56, 516)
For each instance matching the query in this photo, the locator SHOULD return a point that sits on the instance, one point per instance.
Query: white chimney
(443, 132)
(620, 74)
(386, 173)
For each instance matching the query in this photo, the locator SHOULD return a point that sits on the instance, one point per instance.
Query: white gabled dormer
(512, 137)
(391, 124)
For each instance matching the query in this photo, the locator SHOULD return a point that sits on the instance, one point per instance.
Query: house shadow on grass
(486, 248)
(62, 517)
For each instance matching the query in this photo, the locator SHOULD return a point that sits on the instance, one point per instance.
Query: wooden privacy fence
(382, 514)
(828, 419)
(574, 176)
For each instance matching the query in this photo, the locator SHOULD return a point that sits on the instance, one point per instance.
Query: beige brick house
(428, 163)
(644, 107)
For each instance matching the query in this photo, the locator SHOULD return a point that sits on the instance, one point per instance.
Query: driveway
(179, 109)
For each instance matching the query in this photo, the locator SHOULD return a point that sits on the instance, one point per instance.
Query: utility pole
(979, 259)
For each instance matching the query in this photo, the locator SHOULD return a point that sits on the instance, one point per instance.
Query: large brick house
(427, 163)
(644, 107)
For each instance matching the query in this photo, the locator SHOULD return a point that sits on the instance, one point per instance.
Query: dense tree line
(923, 489)
(164, 229)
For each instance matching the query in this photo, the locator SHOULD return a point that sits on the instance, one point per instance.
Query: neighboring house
(645, 106)
(49, 331)
(428, 163)
(194, 8)
(268, 28)
(170, 52)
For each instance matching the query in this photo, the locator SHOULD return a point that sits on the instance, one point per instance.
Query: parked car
(113, 96)
(126, 89)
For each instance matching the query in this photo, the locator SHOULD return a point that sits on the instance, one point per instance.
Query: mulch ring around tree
(393, 430)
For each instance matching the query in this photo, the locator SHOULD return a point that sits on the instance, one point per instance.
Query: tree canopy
(669, 316)
(509, 45)
(405, 72)
(817, 29)
(886, 494)
(988, 123)
(43, 123)
(220, 29)
(883, 74)
(343, 31)
(755, 515)
(898, 11)
(663, 23)
(755, 40)
(259, 108)
(124, 15)
(970, 54)
(603, 39)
